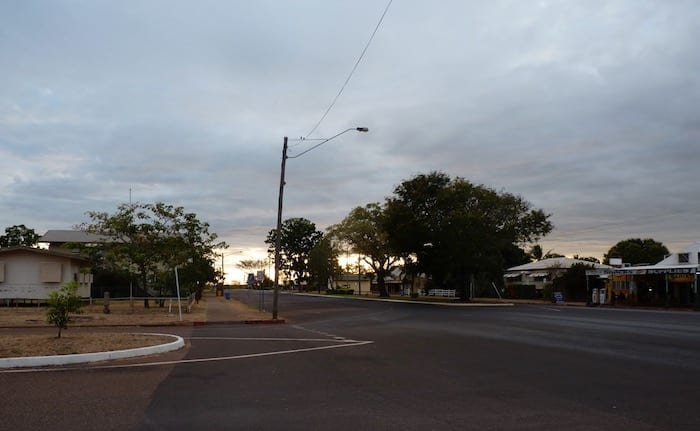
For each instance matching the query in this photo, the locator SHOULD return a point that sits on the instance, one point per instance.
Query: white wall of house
(30, 275)
(364, 285)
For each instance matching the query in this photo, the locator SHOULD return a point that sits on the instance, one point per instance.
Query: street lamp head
(362, 129)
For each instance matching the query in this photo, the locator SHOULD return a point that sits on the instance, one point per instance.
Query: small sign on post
(559, 298)
(105, 310)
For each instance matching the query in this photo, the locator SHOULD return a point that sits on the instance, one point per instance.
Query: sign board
(261, 276)
(598, 271)
(559, 298)
(251, 279)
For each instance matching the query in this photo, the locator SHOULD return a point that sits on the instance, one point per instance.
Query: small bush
(61, 303)
(340, 291)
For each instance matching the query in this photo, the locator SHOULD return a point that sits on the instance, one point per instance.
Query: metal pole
(278, 238)
(177, 283)
(359, 277)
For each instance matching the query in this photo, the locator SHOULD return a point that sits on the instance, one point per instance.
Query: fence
(450, 293)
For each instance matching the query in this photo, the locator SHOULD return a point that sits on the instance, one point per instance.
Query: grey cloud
(585, 110)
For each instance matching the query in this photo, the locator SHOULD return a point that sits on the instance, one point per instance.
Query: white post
(177, 283)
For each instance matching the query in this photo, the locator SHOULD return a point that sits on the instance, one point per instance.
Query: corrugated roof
(61, 253)
(76, 236)
(555, 262)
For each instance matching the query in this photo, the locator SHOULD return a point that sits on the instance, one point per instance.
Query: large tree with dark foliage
(457, 229)
(299, 237)
(636, 251)
(19, 236)
(323, 263)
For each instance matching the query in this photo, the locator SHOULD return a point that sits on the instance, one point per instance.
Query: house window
(683, 257)
(50, 272)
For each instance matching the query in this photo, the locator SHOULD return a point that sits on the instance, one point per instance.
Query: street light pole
(278, 233)
(278, 238)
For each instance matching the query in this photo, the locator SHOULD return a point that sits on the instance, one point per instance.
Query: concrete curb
(405, 301)
(155, 325)
(81, 358)
(242, 322)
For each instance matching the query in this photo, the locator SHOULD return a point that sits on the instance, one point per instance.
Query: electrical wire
(347, 80)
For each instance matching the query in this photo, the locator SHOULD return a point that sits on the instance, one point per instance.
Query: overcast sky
(588, 109)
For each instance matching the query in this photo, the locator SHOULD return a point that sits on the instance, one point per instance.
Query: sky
(587, 109)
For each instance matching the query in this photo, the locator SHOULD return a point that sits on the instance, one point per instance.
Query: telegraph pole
(278, 233)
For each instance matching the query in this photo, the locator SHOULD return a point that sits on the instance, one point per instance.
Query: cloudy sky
(588, 109)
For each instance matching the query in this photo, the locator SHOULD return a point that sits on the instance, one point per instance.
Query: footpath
(226, 311)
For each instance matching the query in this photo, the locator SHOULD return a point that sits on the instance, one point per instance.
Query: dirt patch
(22, 320)
(12, 346)
(122, 312)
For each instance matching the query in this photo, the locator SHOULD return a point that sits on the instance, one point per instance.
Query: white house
(33, 273)
(543, 271)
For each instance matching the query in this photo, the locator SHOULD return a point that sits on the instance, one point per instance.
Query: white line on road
(194, 361)
(321, 340)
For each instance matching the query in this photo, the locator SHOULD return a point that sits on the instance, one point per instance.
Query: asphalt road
(345, 364)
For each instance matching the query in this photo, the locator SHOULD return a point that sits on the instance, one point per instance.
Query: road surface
(344, 364)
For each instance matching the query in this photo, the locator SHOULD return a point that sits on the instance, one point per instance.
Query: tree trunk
(462, 287)
(381, 286)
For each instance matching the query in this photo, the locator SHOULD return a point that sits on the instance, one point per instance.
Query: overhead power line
(357, 63)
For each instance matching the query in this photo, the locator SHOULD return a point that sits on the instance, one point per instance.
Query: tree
(573, 282)
(457, 229)
(19, 236)
(61, 303)
(250, 266)
(364, 230)
(299, 237)
(587, 258)
(536, 253)
(637, 251)
(323, 263)
(150, 240)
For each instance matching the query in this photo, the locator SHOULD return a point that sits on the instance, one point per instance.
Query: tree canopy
(323, 263)
(637, 251)
(364, 230)
(299, 237)
(19, 235)
(149, 240)
(457, 229)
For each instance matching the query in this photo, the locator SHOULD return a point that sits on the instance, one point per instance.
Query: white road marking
(316, 340)
(342, 343)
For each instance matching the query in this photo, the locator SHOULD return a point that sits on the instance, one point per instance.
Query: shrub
(61, 303)
(340, 291)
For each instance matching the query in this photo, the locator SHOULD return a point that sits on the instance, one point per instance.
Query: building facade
(28, 273)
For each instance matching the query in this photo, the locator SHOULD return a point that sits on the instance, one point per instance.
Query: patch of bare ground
(13, 346)
(121, 312)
